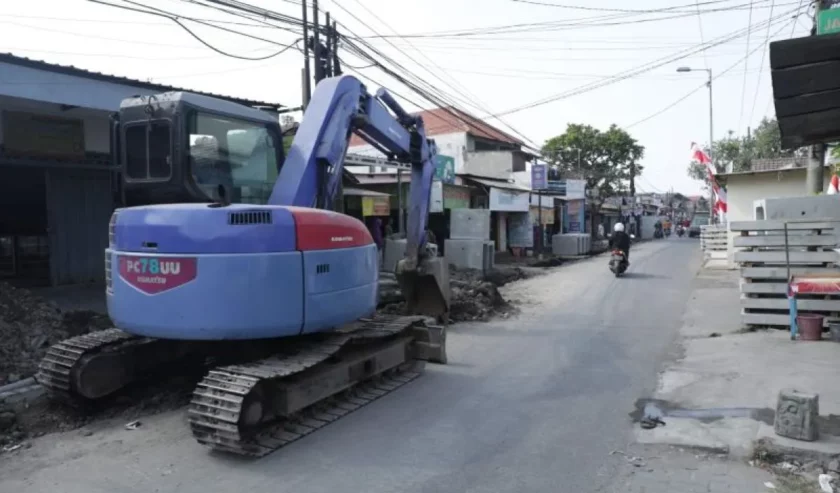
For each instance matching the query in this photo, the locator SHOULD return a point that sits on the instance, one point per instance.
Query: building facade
(58, 182)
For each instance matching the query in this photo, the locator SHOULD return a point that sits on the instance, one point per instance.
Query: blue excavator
(230, 257)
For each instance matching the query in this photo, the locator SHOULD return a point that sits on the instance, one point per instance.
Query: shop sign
(547, 215)
(539, 177)
(456, 197)
(509, 200)
(376, 206)
(444, 168)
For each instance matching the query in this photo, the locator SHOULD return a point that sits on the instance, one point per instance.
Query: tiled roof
(89, 74)
(440, 121)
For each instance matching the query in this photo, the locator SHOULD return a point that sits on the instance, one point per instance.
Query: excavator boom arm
(311, 173)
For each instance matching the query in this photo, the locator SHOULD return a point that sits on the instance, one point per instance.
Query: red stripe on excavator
(317, 229)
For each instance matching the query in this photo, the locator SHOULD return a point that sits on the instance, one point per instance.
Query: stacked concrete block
(468, 246)
(469, 224)
(394, 252)
(571, 244)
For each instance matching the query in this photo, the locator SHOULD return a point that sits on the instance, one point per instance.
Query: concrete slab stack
(469, 245)
(571, 244)
(760, 252)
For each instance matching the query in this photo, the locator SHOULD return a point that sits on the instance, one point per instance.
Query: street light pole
(711, 132)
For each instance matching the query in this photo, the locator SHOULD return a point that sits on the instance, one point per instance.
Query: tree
(606, 160)
(738, 152)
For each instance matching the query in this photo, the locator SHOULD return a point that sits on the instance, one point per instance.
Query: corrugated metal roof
(116, 79)
(449, 120)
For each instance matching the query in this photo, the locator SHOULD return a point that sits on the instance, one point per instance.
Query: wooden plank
(782, 304)
(828, 240)
(779, 225)
(778, 257)
(779, 288)
(717, 255)
(780, 272)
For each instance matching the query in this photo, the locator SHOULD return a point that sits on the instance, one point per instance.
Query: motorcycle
(680, 231)
(667, 232)
(618, 262)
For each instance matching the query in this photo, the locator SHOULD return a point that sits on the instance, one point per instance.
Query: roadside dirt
(474, 297)
(29, 325)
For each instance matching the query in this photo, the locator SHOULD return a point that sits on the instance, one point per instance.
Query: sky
(566, 61)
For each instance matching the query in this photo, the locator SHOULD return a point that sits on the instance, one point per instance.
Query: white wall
(453, 145)
(743, 190)
(489, 163)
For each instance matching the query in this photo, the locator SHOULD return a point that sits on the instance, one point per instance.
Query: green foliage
(604, 159)
(764, 142)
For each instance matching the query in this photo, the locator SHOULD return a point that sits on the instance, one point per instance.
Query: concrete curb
(21, 393)
(734, 437)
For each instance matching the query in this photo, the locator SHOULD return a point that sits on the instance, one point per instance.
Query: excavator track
(57, 369)
(256, 408)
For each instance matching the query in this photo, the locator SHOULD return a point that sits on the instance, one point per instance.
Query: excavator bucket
(426, 287)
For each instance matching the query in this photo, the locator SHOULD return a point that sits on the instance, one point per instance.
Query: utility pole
(335, 65)
(814, 178)
(307, 75)
(316, 43)
(329, 35)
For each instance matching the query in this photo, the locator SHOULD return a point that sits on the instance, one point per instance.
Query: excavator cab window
(148, 151)
(239, 155)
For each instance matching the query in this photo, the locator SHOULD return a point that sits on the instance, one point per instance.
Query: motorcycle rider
(621, 241)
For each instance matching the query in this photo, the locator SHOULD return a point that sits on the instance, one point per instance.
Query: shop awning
(499, 184)
(359, 192)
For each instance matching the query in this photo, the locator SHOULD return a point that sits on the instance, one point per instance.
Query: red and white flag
(698, 155)
(833, 185)
(701, 157)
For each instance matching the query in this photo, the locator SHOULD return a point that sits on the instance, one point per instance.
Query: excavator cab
(179, 147)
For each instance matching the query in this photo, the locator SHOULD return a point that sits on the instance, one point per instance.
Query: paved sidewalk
(720, 391)
(669, 469)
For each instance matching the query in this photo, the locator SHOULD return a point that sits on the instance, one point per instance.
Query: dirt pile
(473, 296)
(29, 325)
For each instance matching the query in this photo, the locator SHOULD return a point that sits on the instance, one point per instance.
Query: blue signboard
(539, 177)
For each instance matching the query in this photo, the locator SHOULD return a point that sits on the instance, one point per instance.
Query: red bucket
(810, 326)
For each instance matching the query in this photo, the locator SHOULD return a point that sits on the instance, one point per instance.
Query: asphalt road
(535, 403)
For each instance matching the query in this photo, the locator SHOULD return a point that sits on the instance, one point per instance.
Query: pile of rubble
(474, 296)
(29, 325)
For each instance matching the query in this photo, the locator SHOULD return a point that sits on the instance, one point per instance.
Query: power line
(636, 71)
(700, 25)
(666, 108)
(607, 9)
(267, 14)
(693, 91)
(761, 64)
(595, 21)
(477, 103)
(175, 17)
(746, 66)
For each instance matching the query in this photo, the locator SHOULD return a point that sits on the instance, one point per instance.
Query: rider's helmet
(619, 227)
